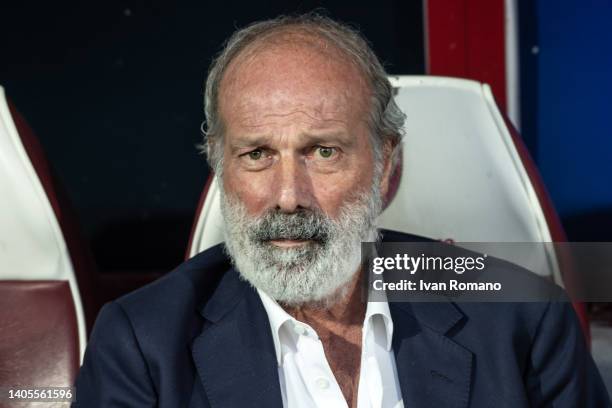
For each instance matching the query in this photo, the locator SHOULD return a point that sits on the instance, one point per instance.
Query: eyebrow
(337, 137)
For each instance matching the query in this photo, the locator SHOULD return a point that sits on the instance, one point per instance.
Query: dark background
(113, 91)
(573, 108)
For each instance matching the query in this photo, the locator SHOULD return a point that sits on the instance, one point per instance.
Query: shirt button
(322, 383)
(300, 330)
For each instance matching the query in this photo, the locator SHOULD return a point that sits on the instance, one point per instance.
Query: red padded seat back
(38, 334)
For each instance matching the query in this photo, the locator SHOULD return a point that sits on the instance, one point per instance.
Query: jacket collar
(234, 355)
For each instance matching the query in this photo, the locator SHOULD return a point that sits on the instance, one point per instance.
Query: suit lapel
(433, 370)
(234, 355)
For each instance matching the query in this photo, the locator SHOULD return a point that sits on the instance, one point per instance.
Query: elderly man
(302, 131)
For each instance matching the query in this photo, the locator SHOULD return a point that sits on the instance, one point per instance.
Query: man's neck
(348, 310)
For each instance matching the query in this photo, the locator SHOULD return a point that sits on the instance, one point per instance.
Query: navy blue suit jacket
(200, 337)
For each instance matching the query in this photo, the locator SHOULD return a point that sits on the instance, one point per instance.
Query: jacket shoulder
(171, 302)
(140, 342)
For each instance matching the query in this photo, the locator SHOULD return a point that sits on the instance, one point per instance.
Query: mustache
(303, 224)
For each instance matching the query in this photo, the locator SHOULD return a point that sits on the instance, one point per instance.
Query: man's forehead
(316, 109)
(285, 79)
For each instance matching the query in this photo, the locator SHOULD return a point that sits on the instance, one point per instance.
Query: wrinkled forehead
(293, 71)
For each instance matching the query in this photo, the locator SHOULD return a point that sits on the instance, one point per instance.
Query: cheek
(333, 191)
(251, 189)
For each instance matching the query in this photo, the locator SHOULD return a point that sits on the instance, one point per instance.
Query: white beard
(316, 273)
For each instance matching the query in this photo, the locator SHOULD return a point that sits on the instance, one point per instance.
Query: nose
(293, 185)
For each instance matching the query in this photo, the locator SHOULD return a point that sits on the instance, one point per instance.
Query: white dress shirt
(306, 379)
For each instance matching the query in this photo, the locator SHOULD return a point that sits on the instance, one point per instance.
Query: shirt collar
(277, 317)
(381, 310)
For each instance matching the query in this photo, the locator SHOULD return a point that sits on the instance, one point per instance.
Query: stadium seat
(39, 343)
(39, 240)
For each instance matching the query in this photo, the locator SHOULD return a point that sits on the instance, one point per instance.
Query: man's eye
(326, 152)
(255, 154)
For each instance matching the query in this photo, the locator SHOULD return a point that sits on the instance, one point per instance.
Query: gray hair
(385, 120)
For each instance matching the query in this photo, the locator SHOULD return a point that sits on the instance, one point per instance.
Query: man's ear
(388, 165)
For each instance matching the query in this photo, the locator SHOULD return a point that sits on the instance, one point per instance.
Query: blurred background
(113, 91)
